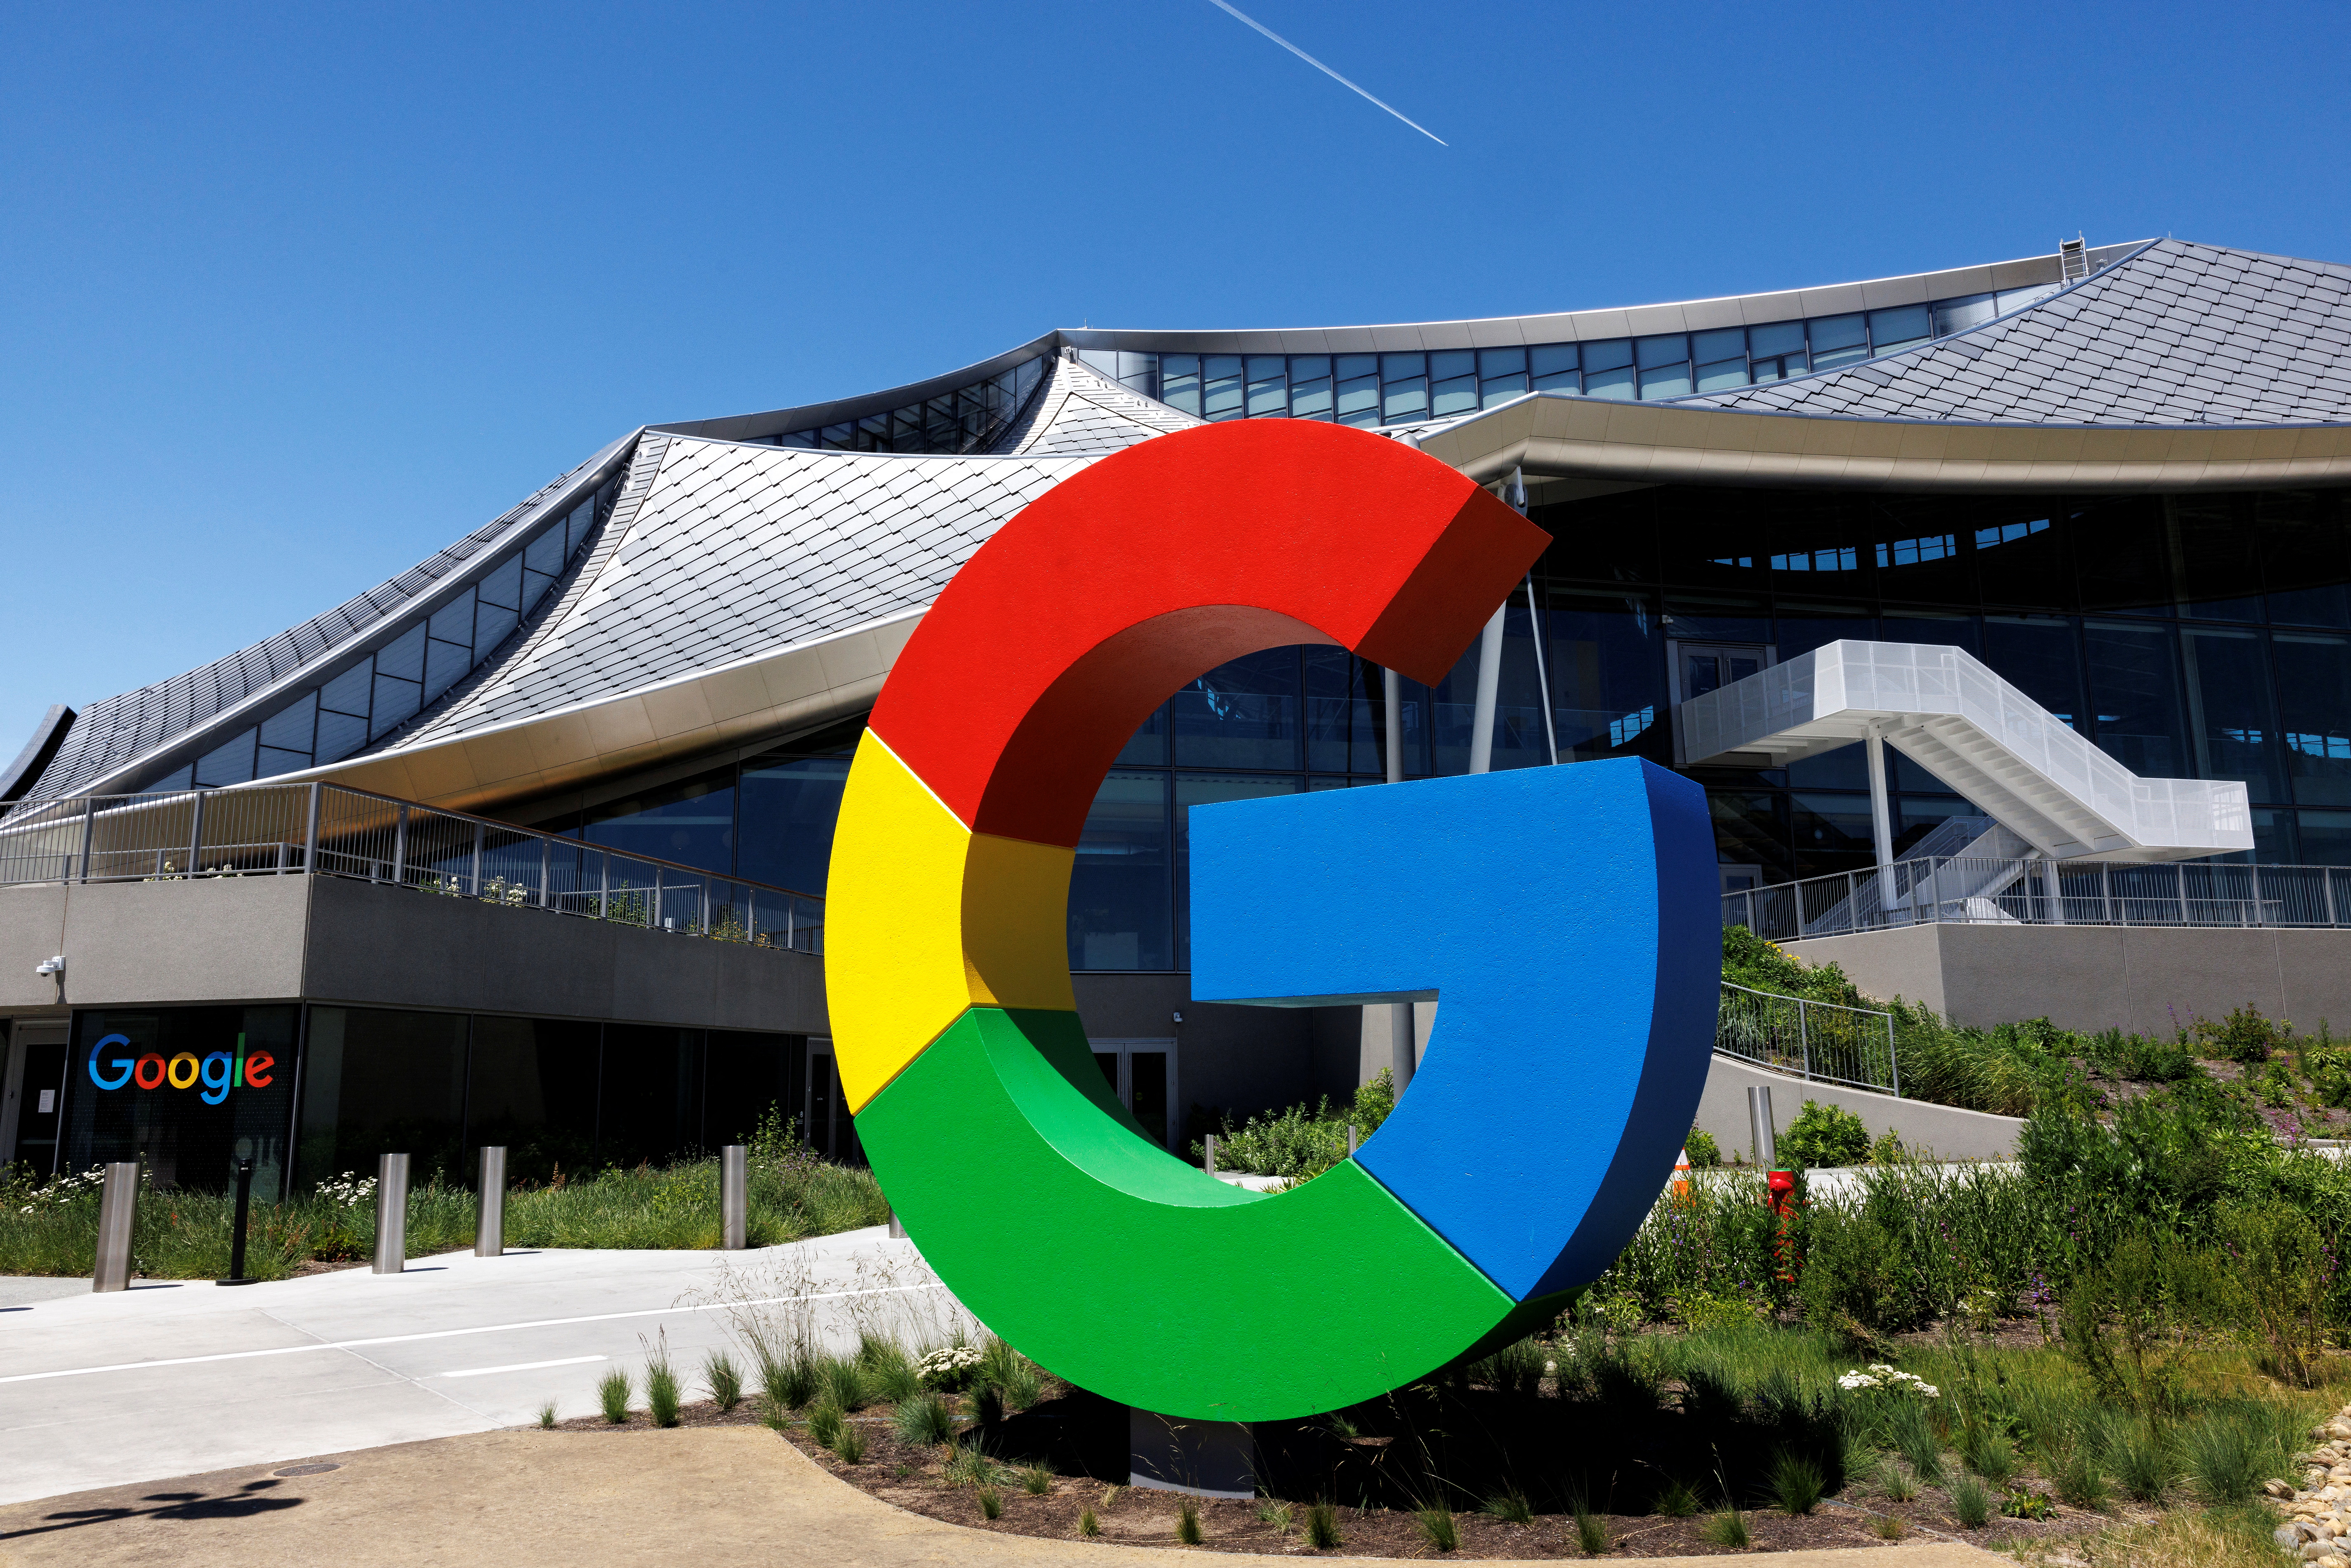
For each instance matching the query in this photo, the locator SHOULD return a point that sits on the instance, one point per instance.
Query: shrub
(2227, 1457)
(1511, 1506)
(2135, 1454)
(1970, 1504)
(1675, 1499)
(547, 1413)
(1729, 1528)
(1299, 1143)
(1322, 1527)
(1591, 1529)
(661, 1384)
(1825, 1135)
(1895, 1482)
(1704, 1153)
(1036, 1480)
(991, 1503)
(1437, 1528)
(2022, 1504)
(2244, 1036)
(922, 1420)
(969, 1465)
(726, 1383)
(613, 1393)
(1187, 1522)
(824, 1425)
(842, 1382)
(849, 1444)
(1991, 1455)
(789, 1378)
(1088, 1525)
(2080, 1478)
(1797, 1484)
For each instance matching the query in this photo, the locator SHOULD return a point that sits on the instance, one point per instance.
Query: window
(1359, 388)
(1554, 368)
(1403, 388)
(1608, 369)
(1179, 381)
(1904, 326)
(2135, 681)
(692, 822)
(1665, 365)
(1268, 387)
(1722, 358)
(1501, 375)
(1205, 790)
(2314, 677)
(2233, 717)
(1958, 315)
(1220, 378)
(1119, 912)
(1309, 387)
(1453, 383)
(1239, 715)
(1777, 351)
(1838, 340)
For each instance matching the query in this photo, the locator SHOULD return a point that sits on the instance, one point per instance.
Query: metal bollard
(1766, 1143)
(117, 1209)
(897, 1227)
(1210, 1163)
(735, 1196)
(236, 1274)
(490, 1219)
(392, 1214)
(1350, 1139)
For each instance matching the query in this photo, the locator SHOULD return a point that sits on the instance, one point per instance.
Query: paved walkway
(594, 1501)
(175, 1379)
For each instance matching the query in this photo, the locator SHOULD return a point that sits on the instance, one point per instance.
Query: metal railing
(276, 830)
(1954, 890)
(1820, 1041)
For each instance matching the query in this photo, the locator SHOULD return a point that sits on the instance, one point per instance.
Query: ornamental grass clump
(991, 1503)
(613, 1394)
(1511, 1506)
(1971, 1503)
(726, 1384)
(1088, 1525)
(824, 1425)
(1036, 1480)
(922, 1420)
(1322, 1527)
(848, 1443)
(1187, 1522)
(1797, 1483)
(842, 1382)
(662, 1394)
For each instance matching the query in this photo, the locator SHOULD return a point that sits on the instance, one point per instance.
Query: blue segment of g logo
(1564, 918)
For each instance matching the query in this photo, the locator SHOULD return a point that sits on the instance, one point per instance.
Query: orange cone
(1682, 1176)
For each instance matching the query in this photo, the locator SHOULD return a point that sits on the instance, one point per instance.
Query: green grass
(612, 1395)
(1088, 1524)
(724, 1381)
(1437, 1528)
(1187, 1522)
(185, 1235)
(922, 1420)
(1971, 1503)
(1322, 1527)
(991, 1505)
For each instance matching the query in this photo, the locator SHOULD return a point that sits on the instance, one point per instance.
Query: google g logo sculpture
(1565, 915)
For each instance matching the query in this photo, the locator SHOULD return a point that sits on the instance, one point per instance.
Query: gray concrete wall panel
(32, 928)
(1943, 1131)
(212, 939)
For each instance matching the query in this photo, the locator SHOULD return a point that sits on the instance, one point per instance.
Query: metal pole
(2056, 892)
(89, 830)
(392, 1214)
(735, 1196)
(1209, 1163)
(490, 1217)
(2327, 875)
(1391, 693)
(118, 1214)
(2260, 918)
(604, 885)
(310, 831)
(1350, 1139)
(2179, 872)
(1881, 821)
(1893, 1063)
(399, 847)
(236, 1275)
(478, 860)
(195, 833)
(546, 855)
(1804, 1036)
(1543, 675)
(654, 911)
(2105, 892)
(1489, 688)
(1765, 1140)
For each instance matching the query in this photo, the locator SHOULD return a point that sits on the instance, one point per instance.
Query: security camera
(55, 966)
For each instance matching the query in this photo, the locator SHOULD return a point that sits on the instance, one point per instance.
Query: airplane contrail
(1327, 71)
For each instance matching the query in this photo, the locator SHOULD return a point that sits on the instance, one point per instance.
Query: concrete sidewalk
(595, 1501)
(180, 1378)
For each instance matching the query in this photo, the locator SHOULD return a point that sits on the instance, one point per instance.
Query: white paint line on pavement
(455, 1333)
(524, 1366)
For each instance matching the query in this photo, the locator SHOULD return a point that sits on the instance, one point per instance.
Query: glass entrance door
(1141, 1074)
(831, 1131)
(39, 1089)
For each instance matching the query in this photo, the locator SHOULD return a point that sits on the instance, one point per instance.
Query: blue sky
(293, 298)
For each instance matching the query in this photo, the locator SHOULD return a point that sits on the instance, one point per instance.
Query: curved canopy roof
(721, 580)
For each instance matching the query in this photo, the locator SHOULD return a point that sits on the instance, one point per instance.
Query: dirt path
(711, 1494)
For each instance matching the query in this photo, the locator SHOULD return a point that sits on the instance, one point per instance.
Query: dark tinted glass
(2036, 654)
(652, 1102)
(788, 808)
(2121, 559)
(1345, 720)
(1610, 538)
(2219, 572)
(2227, 677)
(2134, 680)
(2314, 699)
(1607, 657)
(1914, 542)
(746, 1077)
(692, 822)
(1120, 914)
(222, 1089)
(532, 1087)
(1750, 828)
(1707, 536)
(1832, 833)
(1241, 714)
(1802, 628)
(1206, 790)
(2305, 557)
(376, 1082)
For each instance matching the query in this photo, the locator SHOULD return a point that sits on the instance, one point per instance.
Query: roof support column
(1881, 820)
(1490, 657)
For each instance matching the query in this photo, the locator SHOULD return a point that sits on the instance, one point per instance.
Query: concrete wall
(1945, 1131)
(260, 938)
(2151, 979)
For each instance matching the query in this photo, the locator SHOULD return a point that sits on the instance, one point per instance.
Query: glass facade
(1400, 389)
(2206, 636)
(369, 701)
(557, 1092)
(968, 419)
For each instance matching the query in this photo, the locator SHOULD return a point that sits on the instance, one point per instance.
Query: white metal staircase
(1946, 711)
